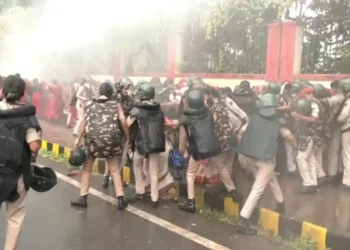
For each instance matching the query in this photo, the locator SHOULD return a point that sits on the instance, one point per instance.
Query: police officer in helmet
(22, 140)
(196, 130)
(126, 102)
(150, 139)
(103, 140)
(258, 150)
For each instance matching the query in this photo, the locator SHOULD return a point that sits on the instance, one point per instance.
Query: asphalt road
(334, 214)
(51, 223)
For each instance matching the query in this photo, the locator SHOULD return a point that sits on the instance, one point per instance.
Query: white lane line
(151, 218)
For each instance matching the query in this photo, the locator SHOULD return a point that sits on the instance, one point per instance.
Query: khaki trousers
(228, 158)
(138, 161)
(218, 162)
(264, 172)
(80, 113)
(307, 165)
(291, 159)
(319, 162)
(346, 157)
(334, 152)
(113, 165)
(15, 215)
(107, 172)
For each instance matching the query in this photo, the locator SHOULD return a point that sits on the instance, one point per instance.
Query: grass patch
(296, 243)
(217, 216)
(57, 158)
(299, 243)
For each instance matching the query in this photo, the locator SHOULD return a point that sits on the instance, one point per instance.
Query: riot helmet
(303, 107)
(195, 82)
(268, 104)
(44, 179)
(106, 89)
(274, 88)
(195, 99)
(146, 91)
(345, 85)
(126, 82)
(319, 91)
(78, 157)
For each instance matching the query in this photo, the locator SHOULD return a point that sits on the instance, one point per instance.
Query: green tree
(326, 47)
(231, 36)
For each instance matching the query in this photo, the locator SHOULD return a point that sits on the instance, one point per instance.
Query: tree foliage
(231, 36)
(326, 47)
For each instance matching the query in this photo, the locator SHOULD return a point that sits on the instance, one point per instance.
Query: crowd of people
(213, 128)
(201, 129)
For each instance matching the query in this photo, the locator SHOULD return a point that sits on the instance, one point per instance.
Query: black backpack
(12, 139)
(203, 140)
(151, 133)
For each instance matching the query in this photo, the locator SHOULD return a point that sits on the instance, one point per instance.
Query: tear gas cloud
(66, 38)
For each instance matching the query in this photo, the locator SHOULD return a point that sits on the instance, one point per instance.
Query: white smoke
(66, 38)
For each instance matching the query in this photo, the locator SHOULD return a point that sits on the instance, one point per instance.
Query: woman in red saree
(55, 105)
(36, 98)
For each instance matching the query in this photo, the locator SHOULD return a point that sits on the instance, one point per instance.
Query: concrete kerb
(271, 222)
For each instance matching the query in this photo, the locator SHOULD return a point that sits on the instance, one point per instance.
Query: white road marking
(151, 218)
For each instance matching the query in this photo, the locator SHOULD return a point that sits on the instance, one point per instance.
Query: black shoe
(322, 180)
(308, 190)
(281, 208)
(81, 202)
(155, 204)
(122, 204)
(189, 206)
(244, 227)
(332, 180)
(235, 196)
(105, 181)
(343, 186)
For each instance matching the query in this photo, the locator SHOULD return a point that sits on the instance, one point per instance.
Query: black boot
(189, 206)
(235, 196)
(243, 227)
(122, 204)
(105, 181)
(343, 186)
(81, 202)
(322, 180)
(155, 204)
(281, 208)
(308, 190)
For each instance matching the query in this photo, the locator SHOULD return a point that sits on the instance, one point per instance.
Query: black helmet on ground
(44, 179)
